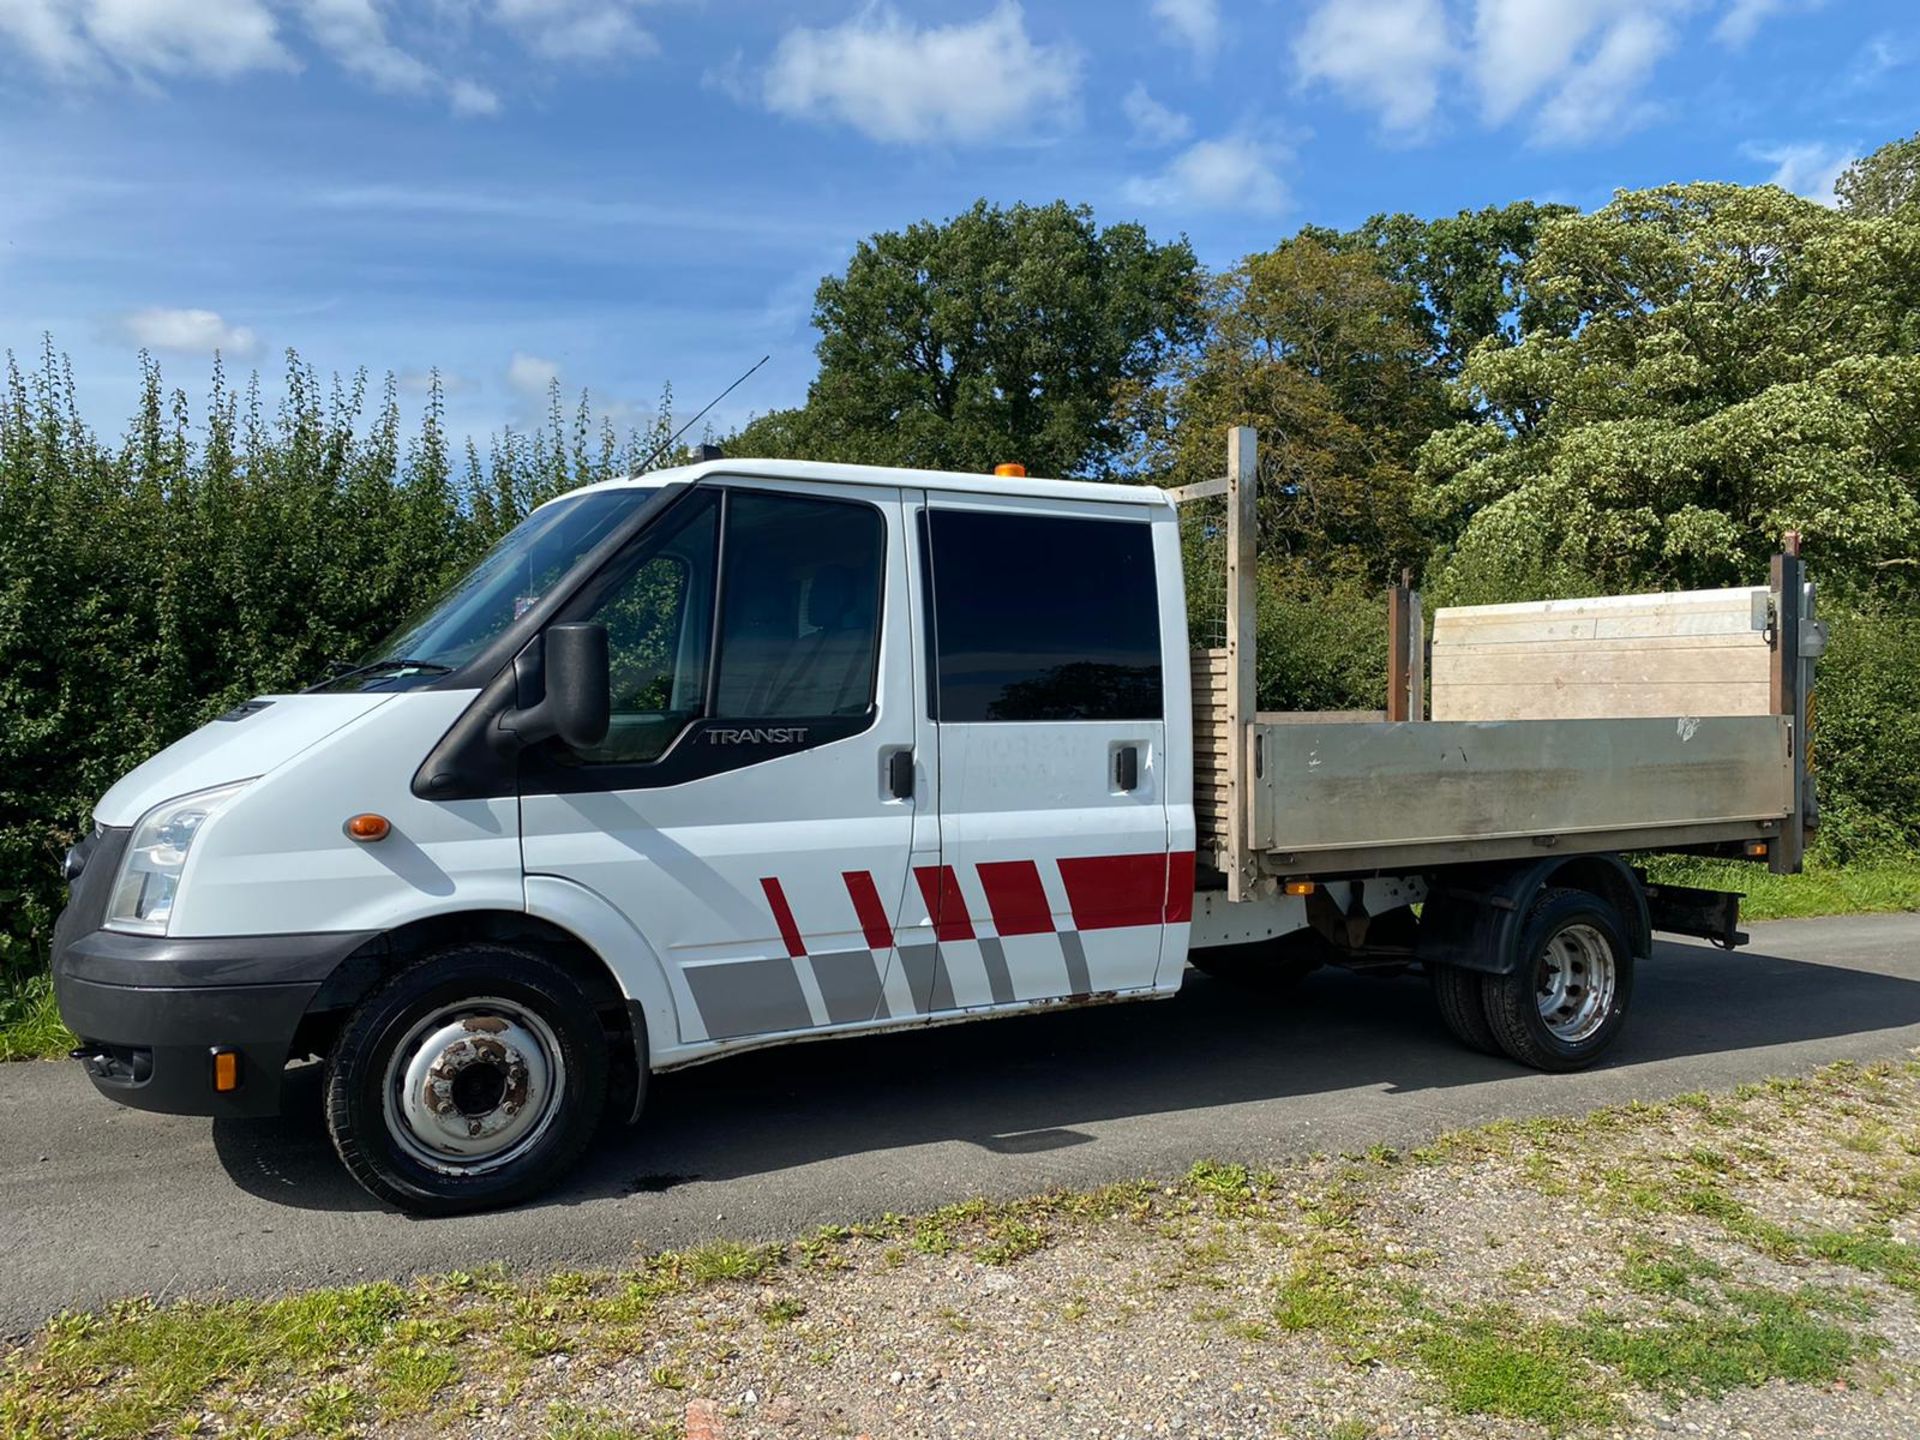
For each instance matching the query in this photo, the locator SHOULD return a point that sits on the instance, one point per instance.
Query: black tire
(1580, 921)
(547, 1009)
(1267, 967)
(1459, 993)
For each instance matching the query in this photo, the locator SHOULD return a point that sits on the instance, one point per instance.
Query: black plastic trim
(108, 957)
(1474, 915)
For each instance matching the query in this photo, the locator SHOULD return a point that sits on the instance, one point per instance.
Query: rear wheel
(1566, 1001)
(471, 1079)
(1460, 994)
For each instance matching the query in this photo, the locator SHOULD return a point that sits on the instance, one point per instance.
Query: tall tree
(1737, 362)
(1002, 334)
(1316, 346)
(1883, 182)
(1466, 272)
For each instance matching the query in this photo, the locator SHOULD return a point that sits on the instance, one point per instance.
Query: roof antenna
(668, 443)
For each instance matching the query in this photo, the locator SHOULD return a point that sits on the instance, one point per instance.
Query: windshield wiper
(339, 670)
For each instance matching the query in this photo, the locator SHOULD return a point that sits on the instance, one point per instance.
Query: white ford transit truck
(749, 752)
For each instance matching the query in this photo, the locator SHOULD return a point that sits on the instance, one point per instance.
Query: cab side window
(800, 622)
(1043, 617)
(798, 583)
(659, 621)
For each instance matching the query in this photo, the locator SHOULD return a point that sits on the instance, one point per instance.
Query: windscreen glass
(509, 580)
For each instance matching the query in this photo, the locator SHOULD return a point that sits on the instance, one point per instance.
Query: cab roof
(943, 480)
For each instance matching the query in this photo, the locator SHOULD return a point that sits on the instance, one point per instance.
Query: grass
(1493, 1362)
(30, 1027)
(1869, 887)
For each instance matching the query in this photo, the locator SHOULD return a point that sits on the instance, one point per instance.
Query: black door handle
(900, 774)
(1126, 767)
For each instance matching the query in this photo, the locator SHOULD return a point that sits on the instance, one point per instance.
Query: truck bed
(1629, 723)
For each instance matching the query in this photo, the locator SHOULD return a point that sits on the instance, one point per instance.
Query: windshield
(509, 580)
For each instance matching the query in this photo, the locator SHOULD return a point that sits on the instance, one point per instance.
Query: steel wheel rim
(1577, 979)
(473, 1086)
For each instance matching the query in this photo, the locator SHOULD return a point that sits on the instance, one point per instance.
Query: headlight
(149, 879)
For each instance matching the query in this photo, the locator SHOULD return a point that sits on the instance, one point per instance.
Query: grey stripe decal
(1076, 954)
(850, 984)
(927, 979)
(749, 997)
(998, 980)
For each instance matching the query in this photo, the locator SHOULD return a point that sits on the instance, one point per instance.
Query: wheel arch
(362, 971)
(1474, 916)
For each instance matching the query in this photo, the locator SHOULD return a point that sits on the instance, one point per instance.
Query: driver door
(742, 812)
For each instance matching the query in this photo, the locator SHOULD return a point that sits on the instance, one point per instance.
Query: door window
(799, 583)
(659, 621)
(800, 629)
(1043, 617)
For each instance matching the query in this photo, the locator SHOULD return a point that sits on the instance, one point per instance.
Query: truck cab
(735, 754)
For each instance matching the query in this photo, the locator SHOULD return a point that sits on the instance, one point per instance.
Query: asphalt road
(98, 1202)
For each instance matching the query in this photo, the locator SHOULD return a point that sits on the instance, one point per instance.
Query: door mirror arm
(569, 665)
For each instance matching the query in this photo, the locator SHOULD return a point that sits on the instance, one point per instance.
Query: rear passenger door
(1046, 693)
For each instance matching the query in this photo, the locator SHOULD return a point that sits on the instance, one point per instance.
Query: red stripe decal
(1016, 897)
(783, 917)
(1111, 891)
(1180, 887)
(866, 904)
(940, 888)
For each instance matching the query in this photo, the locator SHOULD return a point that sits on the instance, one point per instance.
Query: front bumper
(151, 1010)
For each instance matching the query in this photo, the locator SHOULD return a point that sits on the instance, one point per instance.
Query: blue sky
(628, 192)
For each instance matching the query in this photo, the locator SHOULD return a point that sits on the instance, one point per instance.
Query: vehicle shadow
(1025, 1085)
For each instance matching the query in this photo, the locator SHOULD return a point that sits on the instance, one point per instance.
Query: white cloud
(71, 39)
(48, 32)
(1385, 54)
(577, 30)
(195, 332)
(471, 100)
(531, 375)
(1808, 170)
(1601, 94)
(355, 33)
(1235, 172)
(1743, 18)
(894, 81)
(1194, 23)
(1154, 124)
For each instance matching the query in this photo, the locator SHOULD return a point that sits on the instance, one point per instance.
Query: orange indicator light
(226, 1070)
(368, 828)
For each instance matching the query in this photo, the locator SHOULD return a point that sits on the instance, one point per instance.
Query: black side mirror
(577, 705)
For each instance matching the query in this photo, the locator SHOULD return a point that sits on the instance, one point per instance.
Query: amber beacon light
(1011, 470)
(368, 828)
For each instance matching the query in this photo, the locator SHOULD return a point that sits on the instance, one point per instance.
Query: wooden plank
(1199, 490)
(1399, 653)
(1571, 668)
(1625, 656)
(1535, 702)
(1243, 468)
(1417, 659)
(1783, 688)
(1321, 717)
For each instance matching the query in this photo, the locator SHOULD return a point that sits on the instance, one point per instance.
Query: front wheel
(1566, 1000)
(471, 1079)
